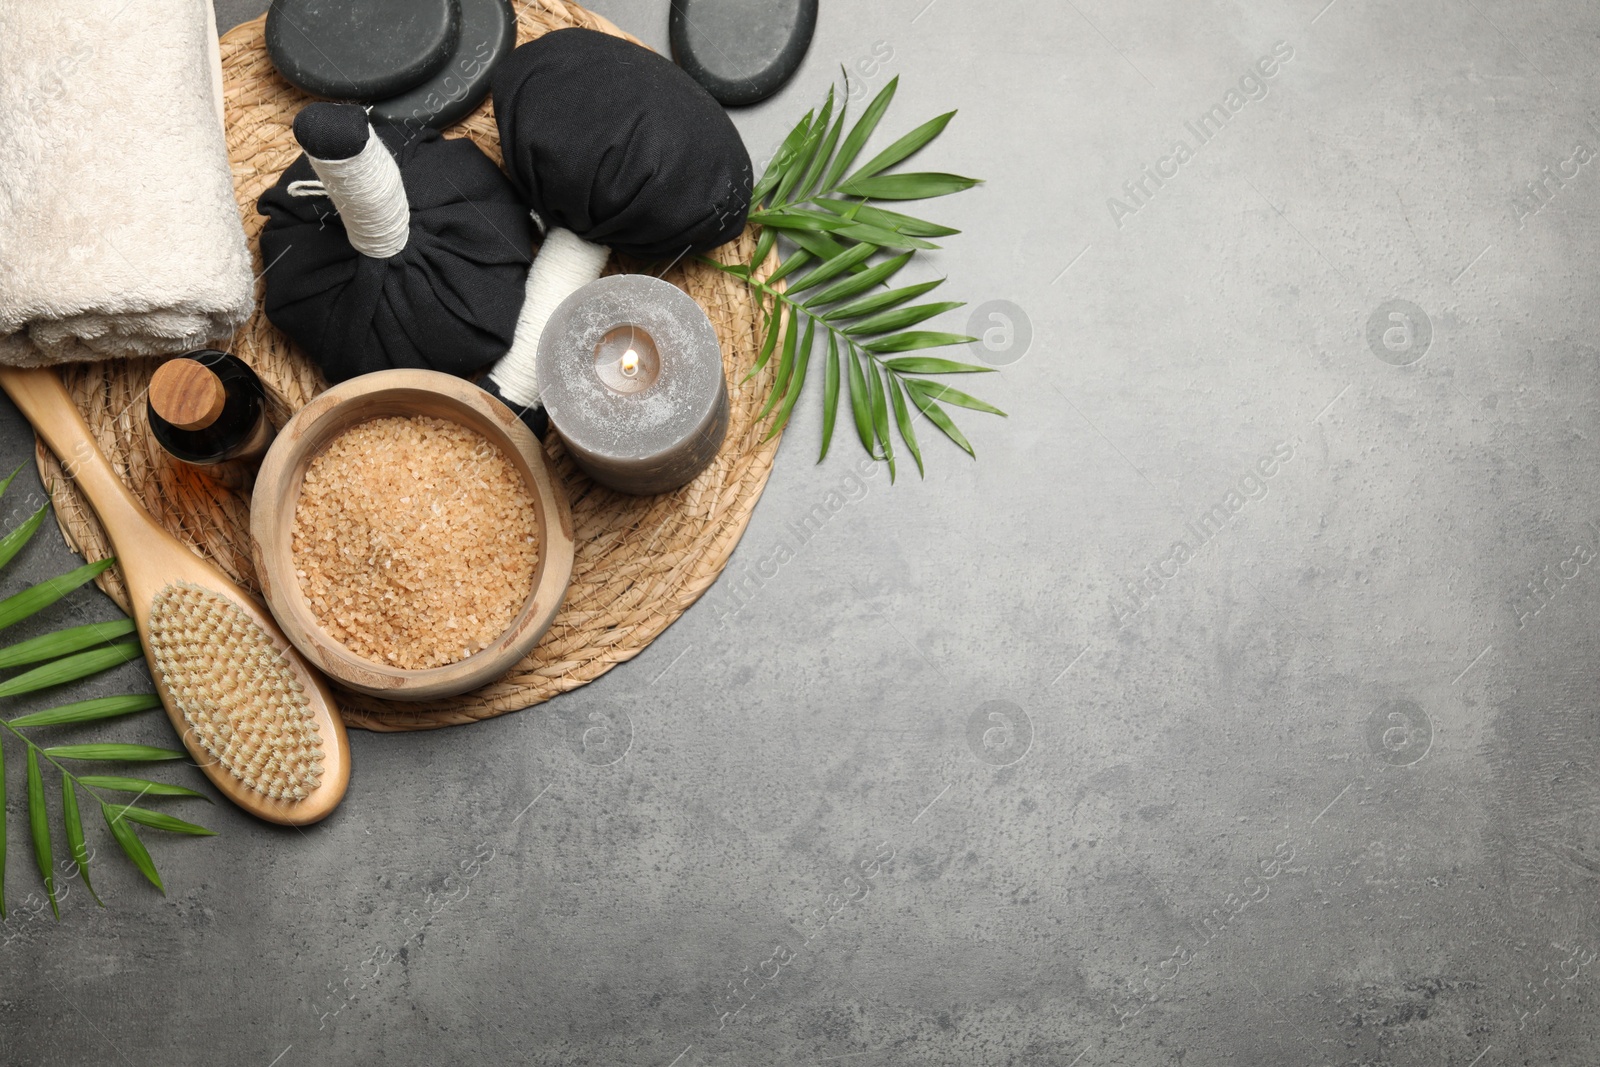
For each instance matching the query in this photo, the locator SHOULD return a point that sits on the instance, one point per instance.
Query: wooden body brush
(255, 718)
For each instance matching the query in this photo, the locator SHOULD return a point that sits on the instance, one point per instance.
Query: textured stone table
(1319, 788)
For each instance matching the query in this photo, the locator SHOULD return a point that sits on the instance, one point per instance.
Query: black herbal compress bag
(383, 250)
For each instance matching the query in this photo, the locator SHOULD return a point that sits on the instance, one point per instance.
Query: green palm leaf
(940, 391)
(71, 668)
(880, 301)
(903, 148)
(39, 822)
(911, 340)
(764, 246)
(12, 542)
(797, 379)
(889, 220)
(119, 784)
(801, 220)
(820, 245)
(880, 415)
(835, 280)
(935, 365)
(830, 394)
(781, 160)
(859, 403)
(768, 343)
(902, 418)
(906, 186)
(824, 147)
(36, 598)
(132, 846)
(785, 365)
(792, 263)
(796, 167)
(49, 646)
(158, 820)
(75, 843)
(834, 267)
(859, 133)
(848, 287)
(900, 318)
(90, 710)
(138, 753)
(938, 417)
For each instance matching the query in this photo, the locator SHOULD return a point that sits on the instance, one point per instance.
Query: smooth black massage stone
(742, 51)
(488, 34)
(361, 49)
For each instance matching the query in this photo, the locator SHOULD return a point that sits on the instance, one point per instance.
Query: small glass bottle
(209, 409)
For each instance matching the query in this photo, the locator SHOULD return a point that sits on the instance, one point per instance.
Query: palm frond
(841, 250)
(57, 659)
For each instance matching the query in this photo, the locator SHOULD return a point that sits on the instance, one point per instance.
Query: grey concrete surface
(990, 772)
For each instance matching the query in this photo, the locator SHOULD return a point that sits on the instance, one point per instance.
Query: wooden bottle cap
(187, 394)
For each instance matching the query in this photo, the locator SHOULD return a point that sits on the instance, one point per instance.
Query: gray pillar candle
(630, 373)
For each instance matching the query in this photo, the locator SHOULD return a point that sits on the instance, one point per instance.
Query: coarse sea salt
(386, 574)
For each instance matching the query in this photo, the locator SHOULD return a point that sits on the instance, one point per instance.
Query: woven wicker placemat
(641, 561)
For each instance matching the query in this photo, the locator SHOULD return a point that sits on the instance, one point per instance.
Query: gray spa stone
(488, 34)
(361, 49)
(742, 51)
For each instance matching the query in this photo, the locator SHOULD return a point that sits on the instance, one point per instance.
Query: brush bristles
(236, 691)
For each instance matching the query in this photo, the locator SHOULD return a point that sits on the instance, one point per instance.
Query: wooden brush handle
(46, 404)
(153, 561)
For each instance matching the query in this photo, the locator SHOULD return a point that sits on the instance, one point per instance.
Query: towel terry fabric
(119, 233)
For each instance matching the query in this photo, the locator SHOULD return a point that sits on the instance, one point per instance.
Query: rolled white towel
(119, 232)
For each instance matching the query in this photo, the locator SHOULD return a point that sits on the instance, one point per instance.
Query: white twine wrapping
(369, 195)
(565, 264)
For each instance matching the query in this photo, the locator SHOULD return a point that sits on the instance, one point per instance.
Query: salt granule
(387, 574)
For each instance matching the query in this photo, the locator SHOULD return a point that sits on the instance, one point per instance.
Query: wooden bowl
(405, 393)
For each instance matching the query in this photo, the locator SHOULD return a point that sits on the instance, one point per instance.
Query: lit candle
(630, 373)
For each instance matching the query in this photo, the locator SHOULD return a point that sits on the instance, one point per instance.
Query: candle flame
(630, 363)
